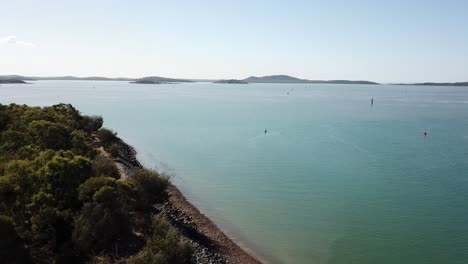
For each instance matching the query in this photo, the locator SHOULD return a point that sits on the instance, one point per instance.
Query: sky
(384, 41)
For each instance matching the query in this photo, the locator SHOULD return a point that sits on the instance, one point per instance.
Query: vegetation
(150, 185)
(63, 202)
(107, 137)
(163, 246)
(103, 166)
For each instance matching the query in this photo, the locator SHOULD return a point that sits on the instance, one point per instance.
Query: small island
(146, 82)
(158, 80)
(11, 81)
(442, 84)
(231, 81)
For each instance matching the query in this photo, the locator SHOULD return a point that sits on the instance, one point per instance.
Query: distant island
(158, 80)
(275, 79)
(145, 82)
(11, 81)
(232, 81)
(437, 84)
(64, 78)
(280, 78)
(290, 79)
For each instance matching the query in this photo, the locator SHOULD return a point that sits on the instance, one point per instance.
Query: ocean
(334, 180)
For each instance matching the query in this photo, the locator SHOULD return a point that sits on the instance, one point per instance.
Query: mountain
(146, 82)
(16, 77)
(157, 79)
(290, 79)
(231, 81)
(275, 79)
(74, 78)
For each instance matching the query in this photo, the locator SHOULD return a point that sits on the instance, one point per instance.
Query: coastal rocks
(205, 251)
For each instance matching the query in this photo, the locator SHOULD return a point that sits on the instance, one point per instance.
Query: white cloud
(13, 40)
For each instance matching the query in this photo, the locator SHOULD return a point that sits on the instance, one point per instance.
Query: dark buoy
(425, 132)
(265, 131)
(372, 101)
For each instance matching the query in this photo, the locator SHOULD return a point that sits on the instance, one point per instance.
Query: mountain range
(290, 79)
(251, 79)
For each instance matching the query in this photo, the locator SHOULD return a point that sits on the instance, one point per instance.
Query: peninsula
(74, 192)
(11, 81)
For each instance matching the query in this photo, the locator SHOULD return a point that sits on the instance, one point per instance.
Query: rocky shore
(210, 244)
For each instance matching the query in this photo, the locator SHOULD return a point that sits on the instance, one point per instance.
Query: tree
(103, 166)
(80, 144)
(17, 187)
(49, 135)
(12, 250)
(165, 246)
(107, 136)
(92, 123)
(150, 184)
(113, 150)
(3, 117)
(104, 216)
(63, 174)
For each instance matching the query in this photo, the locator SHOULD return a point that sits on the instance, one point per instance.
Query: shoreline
(210, 242)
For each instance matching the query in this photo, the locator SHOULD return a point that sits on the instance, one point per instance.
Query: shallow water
(333, 181)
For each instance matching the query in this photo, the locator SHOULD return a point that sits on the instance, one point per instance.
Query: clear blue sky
(385, 41)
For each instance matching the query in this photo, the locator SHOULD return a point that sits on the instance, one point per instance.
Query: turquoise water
(333, 181)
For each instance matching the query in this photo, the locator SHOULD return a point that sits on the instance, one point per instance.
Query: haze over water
(333, 181)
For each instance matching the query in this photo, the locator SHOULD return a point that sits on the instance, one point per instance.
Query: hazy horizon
(394, 42)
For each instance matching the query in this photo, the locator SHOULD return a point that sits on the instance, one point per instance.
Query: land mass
(65, 78)
(157, 79)
(231, 81)
(11, 81)
(437, 84)
(73, 192)
(290, 79)
(145, 82)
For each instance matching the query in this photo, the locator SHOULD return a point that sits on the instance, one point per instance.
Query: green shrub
(102, 166)
(165, 246)
(107, 136)
(98, 226)
(104, 216)
(113, 150)
(150, 185)
(81, 144)
(92, 123)
(49, 135)
(12, 248)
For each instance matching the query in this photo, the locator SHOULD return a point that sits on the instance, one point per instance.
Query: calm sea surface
(333, 181)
